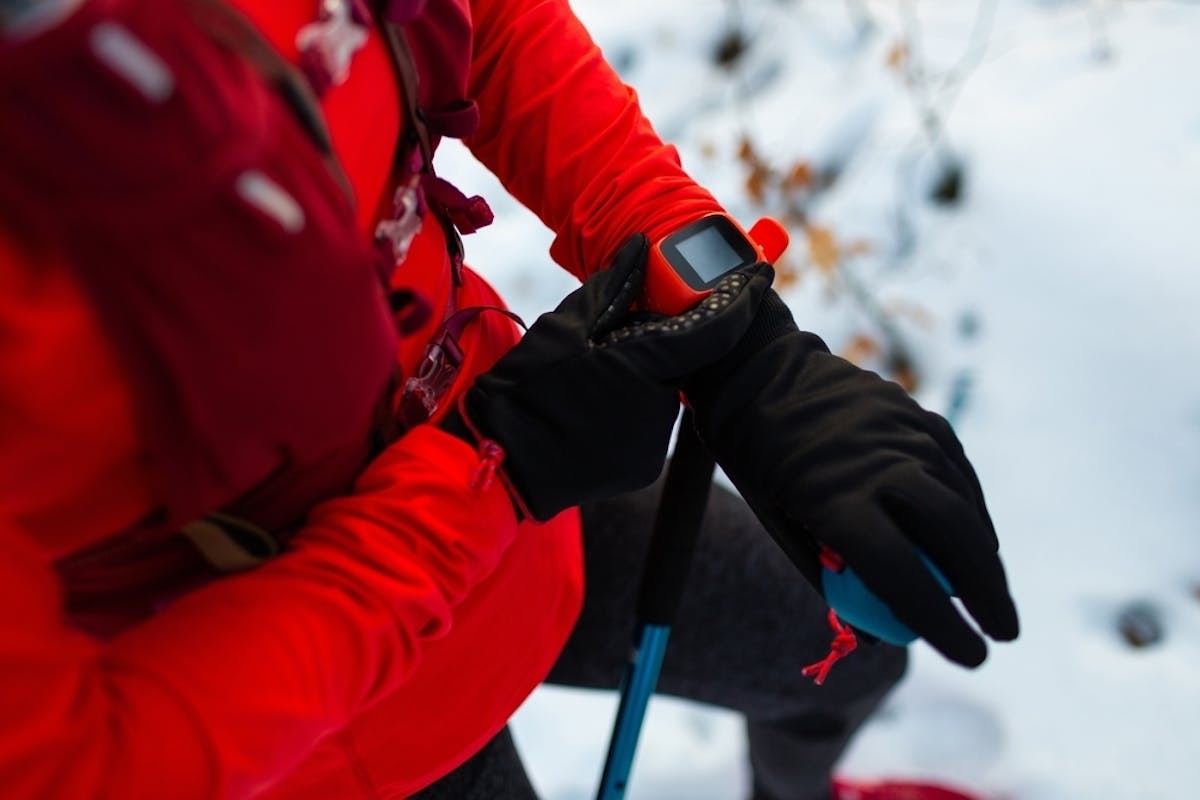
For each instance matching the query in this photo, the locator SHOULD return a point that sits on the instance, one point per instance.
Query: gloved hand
(832, 456)
(584, 404)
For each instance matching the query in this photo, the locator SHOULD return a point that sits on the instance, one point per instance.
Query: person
(290, 508)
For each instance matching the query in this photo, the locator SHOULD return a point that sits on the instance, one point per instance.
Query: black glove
(584, 404)
(830, 455)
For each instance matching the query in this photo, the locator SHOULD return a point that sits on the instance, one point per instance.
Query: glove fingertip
(759, 278)
(975, 655)
(761, 271)
(629, 266)
(635, 247)
(1006, 628)
(965, 650)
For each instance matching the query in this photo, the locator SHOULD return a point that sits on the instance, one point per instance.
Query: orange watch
(683, 267)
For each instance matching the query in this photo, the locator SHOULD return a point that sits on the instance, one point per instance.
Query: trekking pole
(676, 528)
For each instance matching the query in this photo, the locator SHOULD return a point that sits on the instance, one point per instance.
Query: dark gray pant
(747, 625)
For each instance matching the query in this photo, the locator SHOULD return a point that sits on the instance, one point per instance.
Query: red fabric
(70, 467)
(568, 139)
(850, 789)
(230, 687)
(411, 618)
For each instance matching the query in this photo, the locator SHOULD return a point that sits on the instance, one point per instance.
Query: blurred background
(997, 204)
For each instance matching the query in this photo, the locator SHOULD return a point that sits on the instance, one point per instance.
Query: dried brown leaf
(861, 349)
(897, 56)
(756, 185)
(800, 176)
(823, 248)
(746, 152)
(907, 378)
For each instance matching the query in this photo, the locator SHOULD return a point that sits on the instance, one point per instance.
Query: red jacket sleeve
(186, 704)
(566, 137)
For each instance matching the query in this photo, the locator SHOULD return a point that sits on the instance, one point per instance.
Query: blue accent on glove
(856, 604)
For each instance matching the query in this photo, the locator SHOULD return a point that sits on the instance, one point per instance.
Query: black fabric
(677, 523)
(494, 773)
(585, 402)
(744, 630)
(830, 454)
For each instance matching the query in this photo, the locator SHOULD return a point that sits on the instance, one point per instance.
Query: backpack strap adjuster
(229, 543)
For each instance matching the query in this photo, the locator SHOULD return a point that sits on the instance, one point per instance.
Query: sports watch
(683, 267)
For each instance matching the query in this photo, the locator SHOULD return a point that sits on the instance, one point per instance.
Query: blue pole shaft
(637, 685)
(676, 529)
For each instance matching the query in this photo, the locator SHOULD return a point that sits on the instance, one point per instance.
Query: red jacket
(408, 619)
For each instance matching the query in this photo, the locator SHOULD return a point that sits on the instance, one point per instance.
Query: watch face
(707, 250)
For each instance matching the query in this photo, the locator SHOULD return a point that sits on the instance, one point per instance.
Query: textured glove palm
(584, 404)
(831, 455)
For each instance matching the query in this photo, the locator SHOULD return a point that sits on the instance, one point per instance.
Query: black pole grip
(676, 526)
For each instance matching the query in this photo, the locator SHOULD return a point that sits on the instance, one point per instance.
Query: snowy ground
(1055, 322)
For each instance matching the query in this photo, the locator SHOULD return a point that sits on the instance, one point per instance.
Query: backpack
(262, 357)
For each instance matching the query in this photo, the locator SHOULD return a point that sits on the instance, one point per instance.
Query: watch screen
(709, 254)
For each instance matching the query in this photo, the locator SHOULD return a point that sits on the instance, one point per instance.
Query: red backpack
(183, 171)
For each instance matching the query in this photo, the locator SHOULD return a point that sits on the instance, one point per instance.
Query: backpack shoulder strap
(410, 85)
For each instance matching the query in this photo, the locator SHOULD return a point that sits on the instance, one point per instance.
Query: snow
(1056, 326)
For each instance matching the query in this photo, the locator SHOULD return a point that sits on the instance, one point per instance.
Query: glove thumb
(611, 293)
